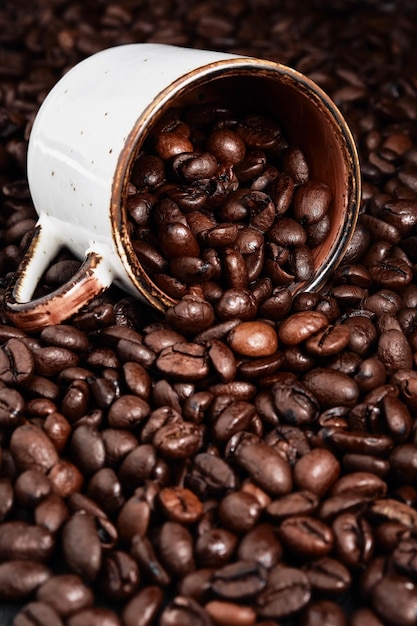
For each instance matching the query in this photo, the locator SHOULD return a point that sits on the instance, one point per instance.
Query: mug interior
(310, 121)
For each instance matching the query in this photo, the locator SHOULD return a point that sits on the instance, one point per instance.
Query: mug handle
(92, 278)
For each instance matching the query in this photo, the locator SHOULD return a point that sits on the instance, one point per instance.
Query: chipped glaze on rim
(233, 68)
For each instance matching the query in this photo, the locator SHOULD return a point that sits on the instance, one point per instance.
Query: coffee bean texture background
(248, 458)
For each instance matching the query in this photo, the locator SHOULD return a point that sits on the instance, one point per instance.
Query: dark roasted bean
(31, 447)
(265, 466)
(19, 579)
(306, 536)
(81, 545)
(328, 575)
(37, 613)
(119, 575)
(354, 541)
(288, 590)
(143, 607)
(317, 471)
(331, 388)
(143, 552)
(65, 593)
(94, 617)
(240, 580)
(17, 362)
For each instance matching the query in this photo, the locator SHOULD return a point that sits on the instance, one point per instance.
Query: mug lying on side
(90, 129)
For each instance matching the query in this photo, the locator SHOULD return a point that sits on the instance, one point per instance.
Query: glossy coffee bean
(21, 578)
(287, 592)
(35, 613)
(143, 607)
(81, 545)
(306, 536)
(317, 471)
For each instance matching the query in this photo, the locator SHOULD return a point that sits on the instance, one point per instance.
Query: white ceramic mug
(88, 131)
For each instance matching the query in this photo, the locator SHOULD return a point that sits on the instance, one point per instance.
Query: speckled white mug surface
(82, 147)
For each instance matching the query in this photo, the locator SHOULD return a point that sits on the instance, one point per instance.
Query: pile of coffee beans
(222, 200)
(211, 467)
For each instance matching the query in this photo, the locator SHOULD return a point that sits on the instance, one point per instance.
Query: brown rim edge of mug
(234, 69)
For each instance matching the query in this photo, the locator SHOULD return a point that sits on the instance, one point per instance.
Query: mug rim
(232, 68)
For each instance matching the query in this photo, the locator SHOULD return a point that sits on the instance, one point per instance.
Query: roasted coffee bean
(365, 617)
(211, 475)
(81, 545)
(287, 591)
(51, 360)
(294, 404)
(185, 611)
(266, 467)
(66, 478)
(17, 362)
(357, 442)
(119, 575)
(262, 545)
(215, 547)
(389, 509)
(149, 564)
(360, 462)
(331, 388)
(76, 399)
(328, 576)
(87, 448)
(230, 613)
(94, 617)
(118, 443)
(138, 466)
(6, 497)
(300, 326)
(236, 417)
(354, 541)
(178, 440)
(65, 336)
(31, 487)
(328, 342)
(394, 351)
(362, 483)
(51, 512)
(143, 607)
(323, 612)
(37, 613)
(253, 339)
(65, 593)
(127, 412)
(296, 503)
(175, 547)
(105, 489)
(306, 536)
(239, 511)
(180, 505)
(186, 362)
(21, 540)
(398, 611)
(30, 446)
(317, 471)
(11, 407)
(236, 303)
(58, 430)
(239, 581)
(21, 578)
(196, 584)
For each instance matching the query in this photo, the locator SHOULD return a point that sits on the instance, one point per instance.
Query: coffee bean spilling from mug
(222, 200)
(274, 482)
